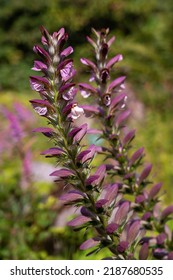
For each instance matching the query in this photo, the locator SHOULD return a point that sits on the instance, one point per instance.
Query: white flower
(85, 93)
(76, 112)
(69, 95)
(41, 110)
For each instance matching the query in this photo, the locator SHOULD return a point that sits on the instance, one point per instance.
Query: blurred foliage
(143, 30)
(29, 208)
(144, 36)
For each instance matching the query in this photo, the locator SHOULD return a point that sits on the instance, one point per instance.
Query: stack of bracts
(116, 198)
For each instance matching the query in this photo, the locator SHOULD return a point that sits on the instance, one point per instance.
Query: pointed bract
(62, 173)
(92, 242)
(122, 212)
(144, 174)
(144, 252)
(78, 221)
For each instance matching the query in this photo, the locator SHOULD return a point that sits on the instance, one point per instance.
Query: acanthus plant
(113, 197)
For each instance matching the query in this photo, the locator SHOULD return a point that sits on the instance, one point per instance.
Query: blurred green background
(30, 225)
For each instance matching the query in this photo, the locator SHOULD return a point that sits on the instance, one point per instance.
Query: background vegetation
(29, 224)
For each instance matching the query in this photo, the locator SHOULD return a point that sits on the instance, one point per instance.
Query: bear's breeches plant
(116, 198)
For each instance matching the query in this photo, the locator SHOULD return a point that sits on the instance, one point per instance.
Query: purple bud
(154, 190)
(144, 174)
(170, 256)
(166, 212)
(128, 137)
(52, 152)
(72, 196)
(47, 131)
(87, 154)
(116, 83)
(67, 51)
(62, 173)
(100, 203)
(144, 252)
(92, 180)
(87, 213)
(136, 156)
(161, 238)
(66, 87)
(111, 192)
(42, 53)
(117, 100)
(101, 173)
(168, 232)
(45, 34)
(111, 228)
(81, 133)
(92, 242)
(82, 155)
(78, 221)
(114, 60)
(122, 117)
(133, 231)
(89, 63)
(111, 40)
(39, 66)
(146, 216)
(122, 212)
(122, 246)
(140, 198)
(67, 109)
(91, 42)
(156, 211)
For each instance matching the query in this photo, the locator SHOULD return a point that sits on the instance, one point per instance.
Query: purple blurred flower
(122, 246)
(101, 203)
(166, 212)
(78, 221)
(154, 190)
(39, 66)
(133, 231)
(15, 127)
(111, 228)
(72, 196)
(144, 174)
(92, 242)
(122, 212)
(87, 154)
(136, 156)
(62, 173)
(144, 252)
(114, 60)
(52, 152)
(161, 238)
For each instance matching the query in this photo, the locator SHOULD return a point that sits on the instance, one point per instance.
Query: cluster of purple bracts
(100, 193)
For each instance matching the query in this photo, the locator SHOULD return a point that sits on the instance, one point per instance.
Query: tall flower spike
(101, 191)
(110, 109)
